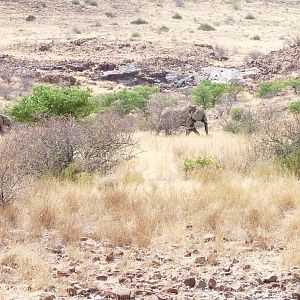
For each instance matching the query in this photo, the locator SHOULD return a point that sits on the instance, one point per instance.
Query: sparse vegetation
(294, 107)
(76, 2)
(135, 35)
(30, 18)
(256, 38)
(139, 21)
(92, 2)
(272, 88)
(177, 16)
(253, 55)
(163, 29)
(206, 27)
(249, 17)
(109, 14)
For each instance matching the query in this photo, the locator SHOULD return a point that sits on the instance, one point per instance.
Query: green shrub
(249, 17)
(207, 93)
(139, 21)
(126, 101)
(48, 101)
(92, 2)
(270, 89)
(76, 2)
(206, 27)
(177, 16)
(294, 107)
(30, 18)
(190, 164)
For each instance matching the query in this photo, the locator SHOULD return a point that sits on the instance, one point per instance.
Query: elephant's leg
(194, 129)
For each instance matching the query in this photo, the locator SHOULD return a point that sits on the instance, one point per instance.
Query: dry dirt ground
(169, 257)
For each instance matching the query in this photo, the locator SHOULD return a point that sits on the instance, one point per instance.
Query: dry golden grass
(150, 199)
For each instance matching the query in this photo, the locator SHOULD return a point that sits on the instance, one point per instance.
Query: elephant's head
(198, 114)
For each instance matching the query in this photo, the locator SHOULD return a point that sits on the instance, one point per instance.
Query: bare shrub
(12, 173)
(6, 74)
(292, 41)
(220, 53)
(53, 145)
(253, 55)
(5, 91)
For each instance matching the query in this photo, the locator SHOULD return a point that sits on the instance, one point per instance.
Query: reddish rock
(63, 273)
(102, 277)
(172, 290)
(191, 282)
(110, 257)
(212, 283)
(200, 260)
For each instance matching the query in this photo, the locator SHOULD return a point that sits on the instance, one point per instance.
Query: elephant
(4, 121)
(172, 118)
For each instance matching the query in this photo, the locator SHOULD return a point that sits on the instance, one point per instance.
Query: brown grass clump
(150, 197)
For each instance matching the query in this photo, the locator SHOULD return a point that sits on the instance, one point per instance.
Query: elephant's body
(4, 122)
(172, 118)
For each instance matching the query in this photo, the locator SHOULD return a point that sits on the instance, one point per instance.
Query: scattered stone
(201, 284)
(209, 237)
(172, 290)
(212, 283)
(270, 278)
(191, 282)
(110, 257)
(63, 273)
(71, 291)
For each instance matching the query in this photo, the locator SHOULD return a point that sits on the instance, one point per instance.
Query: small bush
(249, 17)
(194, 165)
(139, 21)
(76, 2)
(135, 35)
(294, 107)
(206, 27)
(177, 16)
(294, 84)
(270, 89)
(126, 101)
(92, 2)
(48, 101)
(256, 38)
(237, 113)
(253, 55)
(109, 14)
(207, 93)
(77, 30)
(163, 29)
(292, 161)
(30, 18)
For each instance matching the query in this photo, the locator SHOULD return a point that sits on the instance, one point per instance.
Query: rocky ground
(192, 270)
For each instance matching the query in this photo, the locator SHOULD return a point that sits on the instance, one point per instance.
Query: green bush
(48, 101)
(207, 93)
(190, 164)
(135, 35)
(91, 2)
(206, 27)
(126, 101)
(177, 16)
(76, 2)
(109, 14)
(270, 89)
(294, 107)
(163, 29)
(139, 21)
